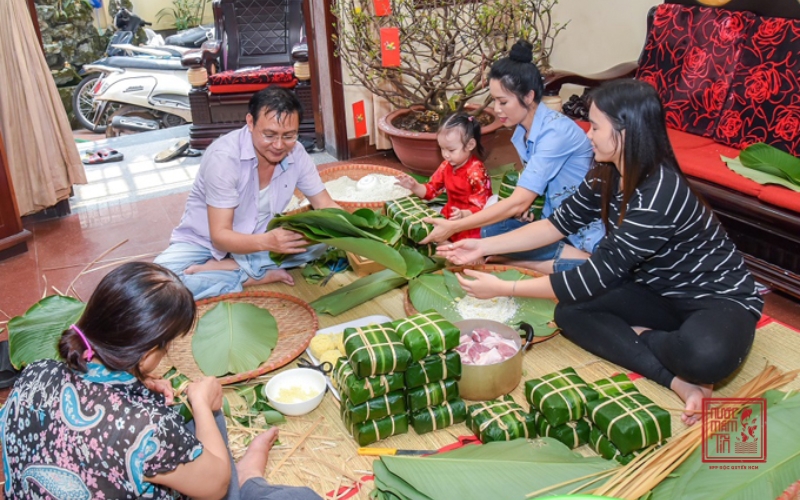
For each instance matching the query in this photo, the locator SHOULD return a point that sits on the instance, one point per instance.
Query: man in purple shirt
(246, 177)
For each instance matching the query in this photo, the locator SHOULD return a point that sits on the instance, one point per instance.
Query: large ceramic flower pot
(419, 151)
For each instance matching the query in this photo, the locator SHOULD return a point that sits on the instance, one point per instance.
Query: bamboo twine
(297, 445)
(337, 469)
(90, 264)
(125, 260)
(336, 494)
(646, 471)
(552, 487)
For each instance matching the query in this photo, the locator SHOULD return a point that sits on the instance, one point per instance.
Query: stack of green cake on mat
(500, 419)
(625, 421)
(432, 377)
(371, 382)
(559, 403)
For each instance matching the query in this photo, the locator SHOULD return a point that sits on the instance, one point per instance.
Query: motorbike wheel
(85, 108)
(136, 111)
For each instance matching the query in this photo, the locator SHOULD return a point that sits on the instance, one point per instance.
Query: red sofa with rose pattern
(729, 78)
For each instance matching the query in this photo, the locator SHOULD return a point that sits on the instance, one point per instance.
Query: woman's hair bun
(521, 51)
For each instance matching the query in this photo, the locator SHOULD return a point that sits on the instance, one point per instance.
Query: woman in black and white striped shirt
(665, 293)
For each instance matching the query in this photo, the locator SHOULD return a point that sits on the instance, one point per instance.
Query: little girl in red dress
(461, 174)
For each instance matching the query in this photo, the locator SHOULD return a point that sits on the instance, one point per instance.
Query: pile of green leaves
(233, 337)
(503, 469)
(767, 164)
(363, 232)
(34, 335)
(358, 292)
(440, 291)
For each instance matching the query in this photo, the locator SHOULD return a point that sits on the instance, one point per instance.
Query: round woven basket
(355, 172)
(297, 324)
(410, 310)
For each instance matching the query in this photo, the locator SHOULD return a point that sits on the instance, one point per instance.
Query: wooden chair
(253, 49)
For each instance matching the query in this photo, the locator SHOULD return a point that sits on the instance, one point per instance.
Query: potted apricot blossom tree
(446, 48)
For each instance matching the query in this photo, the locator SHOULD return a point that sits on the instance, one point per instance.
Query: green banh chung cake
(432, 394)
(359, 390)
(375, 350)
(427, 333)
(500, 419)
(629, 419)
(561, 396)
(410, 212)
(433, 369)
(393, 403)
(440, 416)
(507, 186)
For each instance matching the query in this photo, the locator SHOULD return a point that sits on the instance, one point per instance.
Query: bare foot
(213, 265)
(273, 276)
(692, 395)
(254, 461)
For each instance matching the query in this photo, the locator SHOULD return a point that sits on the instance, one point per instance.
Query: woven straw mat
(410, 310)
(297, 324)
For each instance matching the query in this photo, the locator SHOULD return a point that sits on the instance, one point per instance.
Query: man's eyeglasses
(287, 139)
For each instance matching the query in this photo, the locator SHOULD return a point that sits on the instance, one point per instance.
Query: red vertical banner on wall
(382, 7)
(390, 47)
(359, 119)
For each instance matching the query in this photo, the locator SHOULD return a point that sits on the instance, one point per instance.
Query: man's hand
(161, 386)
(442, 230)
(484, 285)
(205, 393)
(281, 240)
(461, 252)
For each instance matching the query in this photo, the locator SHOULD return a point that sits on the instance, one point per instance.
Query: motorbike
(124, 93)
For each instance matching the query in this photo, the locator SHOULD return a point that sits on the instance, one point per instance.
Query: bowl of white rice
(355, 186)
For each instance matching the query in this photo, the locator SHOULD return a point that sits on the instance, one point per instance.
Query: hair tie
(469, 118)
(88, 354)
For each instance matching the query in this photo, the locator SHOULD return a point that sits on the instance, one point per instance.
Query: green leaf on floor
(35, 335)
(233, 338)
(358, 292)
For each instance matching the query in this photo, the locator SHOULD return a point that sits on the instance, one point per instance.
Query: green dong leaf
(34, 335)
(234, 337)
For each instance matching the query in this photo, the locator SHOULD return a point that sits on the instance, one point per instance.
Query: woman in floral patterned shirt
(96, 426)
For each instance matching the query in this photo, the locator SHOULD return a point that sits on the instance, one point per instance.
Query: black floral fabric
(94, 435)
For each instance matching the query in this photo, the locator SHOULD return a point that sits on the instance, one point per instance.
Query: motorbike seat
(133, 62)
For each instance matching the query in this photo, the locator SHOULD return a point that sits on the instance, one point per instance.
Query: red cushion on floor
(705, 163)
(685, 140)
(781, 197)
(251, 88)
(272, 74)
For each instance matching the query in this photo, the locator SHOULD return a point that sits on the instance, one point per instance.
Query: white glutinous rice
(372, 187)
(499, 309)
(296, 203)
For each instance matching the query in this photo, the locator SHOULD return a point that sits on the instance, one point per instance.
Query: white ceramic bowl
(305, 378)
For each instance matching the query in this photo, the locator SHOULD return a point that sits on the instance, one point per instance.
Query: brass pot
(485, 382)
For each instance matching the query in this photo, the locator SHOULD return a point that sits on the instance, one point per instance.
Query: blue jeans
(178, 256)
(256, 488)
(549, 252)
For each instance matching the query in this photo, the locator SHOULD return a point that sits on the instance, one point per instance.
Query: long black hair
(633, 107)
(469, 127)
(518, 74)
(136, 307)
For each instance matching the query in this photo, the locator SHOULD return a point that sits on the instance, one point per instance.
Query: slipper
(192, 153)
(173, 152)
(105, 155)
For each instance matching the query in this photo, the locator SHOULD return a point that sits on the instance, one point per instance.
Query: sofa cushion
(764, 102)
(781, 197)
(247, 88)
(272, 74)
(704, 163)
(689, 57)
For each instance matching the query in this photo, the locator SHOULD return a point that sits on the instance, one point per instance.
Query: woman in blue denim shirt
(556, 154)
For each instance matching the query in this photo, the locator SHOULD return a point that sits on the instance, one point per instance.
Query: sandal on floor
(173, 152)
(105, 155)
(192, 153)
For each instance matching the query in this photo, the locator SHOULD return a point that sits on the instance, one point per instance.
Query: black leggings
(699, 340)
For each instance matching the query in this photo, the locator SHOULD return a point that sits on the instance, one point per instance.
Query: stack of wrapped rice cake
(559, 404)
(370, 380)
(624, 420)
(432, 377)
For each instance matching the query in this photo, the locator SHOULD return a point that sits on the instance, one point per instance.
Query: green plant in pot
(446, 49)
